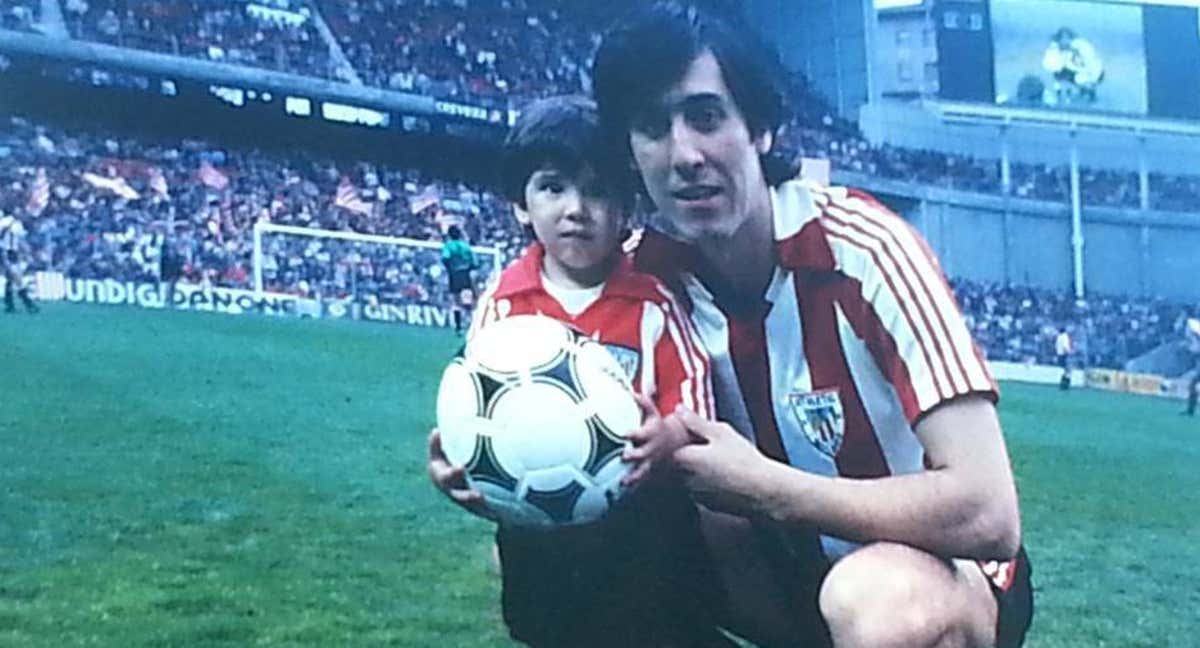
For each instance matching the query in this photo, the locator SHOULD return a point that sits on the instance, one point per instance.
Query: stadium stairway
(1169, 359)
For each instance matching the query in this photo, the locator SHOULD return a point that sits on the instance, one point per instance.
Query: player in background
(12, 253)
(1192, 344)
(635, 578)
(1076, 67)
(171, 260)
(860, 489)
(460, 262)
(1063, 348)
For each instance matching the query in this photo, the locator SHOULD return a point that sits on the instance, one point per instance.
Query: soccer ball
(537, 415)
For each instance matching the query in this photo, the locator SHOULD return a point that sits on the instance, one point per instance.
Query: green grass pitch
(185, 479)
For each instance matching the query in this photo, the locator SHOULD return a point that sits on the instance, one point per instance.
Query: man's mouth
(695, 193)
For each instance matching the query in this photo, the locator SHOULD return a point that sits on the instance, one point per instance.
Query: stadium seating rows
(505, 53)
(205, 201)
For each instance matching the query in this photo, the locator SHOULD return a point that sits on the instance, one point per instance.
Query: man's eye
(705, 118)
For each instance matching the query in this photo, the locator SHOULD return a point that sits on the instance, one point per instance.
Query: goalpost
(284, 253)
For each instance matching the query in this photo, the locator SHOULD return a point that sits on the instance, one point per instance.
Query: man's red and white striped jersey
(635, 317)
(857, 337)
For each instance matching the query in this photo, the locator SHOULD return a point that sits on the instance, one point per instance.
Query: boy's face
(576, 221)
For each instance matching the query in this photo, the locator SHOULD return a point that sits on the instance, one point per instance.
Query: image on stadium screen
(1069, 55)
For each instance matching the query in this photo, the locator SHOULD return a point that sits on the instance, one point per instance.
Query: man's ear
(521, 215)
(763, 142)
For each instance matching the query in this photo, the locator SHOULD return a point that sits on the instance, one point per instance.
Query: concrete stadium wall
(1028, 242)
(911, 125)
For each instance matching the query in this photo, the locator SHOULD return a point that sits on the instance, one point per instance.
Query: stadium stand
(506, 54)
(205, 199)
(280, 37)
(20, 14)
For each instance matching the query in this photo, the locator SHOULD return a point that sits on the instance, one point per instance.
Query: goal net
(362, 276)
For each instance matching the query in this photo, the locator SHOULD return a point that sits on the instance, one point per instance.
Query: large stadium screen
(1173, 60)
(1070, 55)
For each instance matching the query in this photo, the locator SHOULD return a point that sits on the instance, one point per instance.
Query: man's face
(697, 157)
(576, 221)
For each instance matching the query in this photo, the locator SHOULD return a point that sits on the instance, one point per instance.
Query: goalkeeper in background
(459, 261)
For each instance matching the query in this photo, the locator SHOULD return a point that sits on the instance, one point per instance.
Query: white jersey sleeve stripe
(651, 332)
(691, 339)
(917, 254)
(687, 391)
(903, 292)
(929, 384)
(485, 311)
(918, 298)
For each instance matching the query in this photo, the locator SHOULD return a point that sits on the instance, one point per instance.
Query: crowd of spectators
(1020, 323)
(20, 15)
(277, 34)
(502, 53)
(111, 205)
(485, 52)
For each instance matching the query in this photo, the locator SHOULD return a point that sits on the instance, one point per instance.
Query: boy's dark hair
(562, 131)
(453, 232)
(651, 47)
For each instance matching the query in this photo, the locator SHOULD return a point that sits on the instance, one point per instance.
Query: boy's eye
(651, 124)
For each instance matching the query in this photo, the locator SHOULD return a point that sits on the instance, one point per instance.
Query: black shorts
(802, 568)
(641, 577)
(10, 256)
(1014, 606)
(460, 281)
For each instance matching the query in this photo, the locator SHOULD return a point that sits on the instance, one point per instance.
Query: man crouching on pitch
(860, 486)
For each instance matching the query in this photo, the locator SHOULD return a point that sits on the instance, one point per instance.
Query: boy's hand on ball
(653, 443)
(452, 480)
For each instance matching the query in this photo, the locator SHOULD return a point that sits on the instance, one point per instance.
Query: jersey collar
(800, 239)
(525, 275)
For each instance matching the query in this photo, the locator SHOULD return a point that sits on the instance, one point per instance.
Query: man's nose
(686, 155)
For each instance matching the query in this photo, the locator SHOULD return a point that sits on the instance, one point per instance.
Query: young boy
(638, 577)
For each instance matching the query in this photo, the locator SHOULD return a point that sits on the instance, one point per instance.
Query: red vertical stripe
(888, 221)
(748, 349)
(926, 337)
(860, 455)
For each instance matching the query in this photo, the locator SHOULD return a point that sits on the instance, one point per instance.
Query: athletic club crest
(629, 359)
(819, 415)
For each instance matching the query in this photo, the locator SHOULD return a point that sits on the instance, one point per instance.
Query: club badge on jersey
(629, 359)
(819, 415)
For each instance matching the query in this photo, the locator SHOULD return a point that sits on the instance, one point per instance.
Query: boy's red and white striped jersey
(857, 338)
(635, 317)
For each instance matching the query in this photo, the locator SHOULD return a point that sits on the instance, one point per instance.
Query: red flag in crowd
(39, 193)
(347, 198)
(115, 184)
(158, 182)
(211, 176)
(424, 200)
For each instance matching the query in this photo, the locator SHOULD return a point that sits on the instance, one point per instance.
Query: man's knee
(893, 595)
